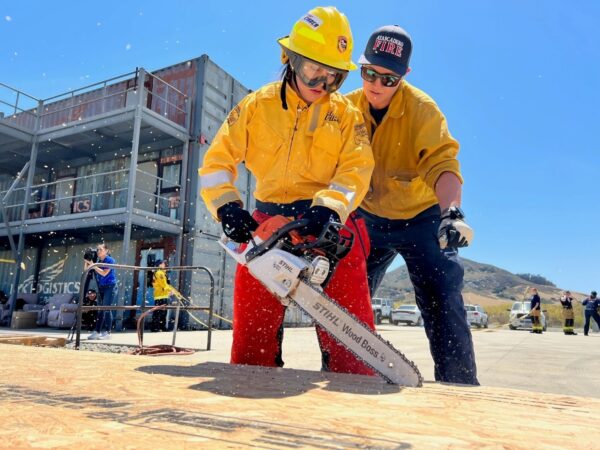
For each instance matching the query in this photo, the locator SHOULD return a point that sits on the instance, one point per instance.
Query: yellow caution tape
(181, 298)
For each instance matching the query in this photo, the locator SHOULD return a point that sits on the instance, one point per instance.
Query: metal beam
(16, 146)
(3, 205)
(20, 250)
(101, 121)
(15, 132)
(95, 219)
(135, 147)
(182, 203)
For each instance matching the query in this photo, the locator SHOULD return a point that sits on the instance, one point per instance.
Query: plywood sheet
(57, 398)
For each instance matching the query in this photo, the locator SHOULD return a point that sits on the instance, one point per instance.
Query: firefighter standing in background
(592, 305)
(162, 292)
(568, 315)
(412, 207)
(309, 151)
(536, 312)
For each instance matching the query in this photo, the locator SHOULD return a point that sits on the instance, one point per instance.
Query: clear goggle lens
(314, 74)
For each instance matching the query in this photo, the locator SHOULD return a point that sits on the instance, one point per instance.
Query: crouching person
(308, 149)
(413, 206)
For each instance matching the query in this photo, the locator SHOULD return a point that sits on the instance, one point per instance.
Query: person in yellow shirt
(413, 204)
(308, 149)
(162, 293)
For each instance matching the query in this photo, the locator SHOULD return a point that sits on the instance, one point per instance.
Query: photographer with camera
(107, 283)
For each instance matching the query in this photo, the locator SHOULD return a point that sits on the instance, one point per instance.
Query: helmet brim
(285, 42)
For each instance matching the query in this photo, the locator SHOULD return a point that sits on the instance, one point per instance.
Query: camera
(91, 254)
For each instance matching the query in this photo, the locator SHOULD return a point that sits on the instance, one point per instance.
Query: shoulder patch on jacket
(234, 115)
(361, 136)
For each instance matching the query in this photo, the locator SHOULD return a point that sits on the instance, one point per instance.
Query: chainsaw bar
(360, 340)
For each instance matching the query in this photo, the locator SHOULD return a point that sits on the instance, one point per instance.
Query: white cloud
(7, 18)
(128, 47)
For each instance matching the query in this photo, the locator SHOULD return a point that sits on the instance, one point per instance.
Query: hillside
(485, 284)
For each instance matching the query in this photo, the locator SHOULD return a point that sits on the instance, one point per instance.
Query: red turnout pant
(258, 315)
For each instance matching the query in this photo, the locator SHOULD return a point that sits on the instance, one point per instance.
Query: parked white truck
(382, 309)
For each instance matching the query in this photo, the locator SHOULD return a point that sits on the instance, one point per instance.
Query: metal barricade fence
(82, 292)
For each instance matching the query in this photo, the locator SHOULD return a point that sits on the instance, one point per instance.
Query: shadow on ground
(266, 382)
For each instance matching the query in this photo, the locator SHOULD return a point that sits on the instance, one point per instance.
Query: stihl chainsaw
(296, 269)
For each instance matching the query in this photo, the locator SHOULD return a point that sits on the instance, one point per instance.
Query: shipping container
(218, 92)
(197, 94)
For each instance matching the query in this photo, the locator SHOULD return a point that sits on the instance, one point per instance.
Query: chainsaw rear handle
(336, 240)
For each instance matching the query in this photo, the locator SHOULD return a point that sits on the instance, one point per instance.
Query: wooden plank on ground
(41, 341)
(59, 398)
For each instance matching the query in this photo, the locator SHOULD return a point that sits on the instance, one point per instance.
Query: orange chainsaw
(296, 269)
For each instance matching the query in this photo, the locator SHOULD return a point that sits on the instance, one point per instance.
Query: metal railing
(88, 101)
(96, 99)
(166, 100)
(44, 201)
(162, 205)
(178, 308)
(13, 109)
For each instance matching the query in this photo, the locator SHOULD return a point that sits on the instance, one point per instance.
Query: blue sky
(519, 82)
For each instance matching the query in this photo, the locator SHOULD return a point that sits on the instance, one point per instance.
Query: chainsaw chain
(372, 333)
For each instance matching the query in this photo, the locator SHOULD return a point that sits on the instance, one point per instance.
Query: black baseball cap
(390, 47)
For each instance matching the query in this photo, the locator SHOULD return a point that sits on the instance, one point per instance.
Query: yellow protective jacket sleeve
(412, 147)
(319, 152)
(161, 286)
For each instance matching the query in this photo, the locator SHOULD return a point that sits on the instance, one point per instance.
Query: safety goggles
(387, 79)
(314, 74)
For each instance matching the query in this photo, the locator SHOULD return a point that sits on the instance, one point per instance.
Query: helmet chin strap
(286, 79)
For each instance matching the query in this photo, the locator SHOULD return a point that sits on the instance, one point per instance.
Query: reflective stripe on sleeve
(215, 179)
(349, 194)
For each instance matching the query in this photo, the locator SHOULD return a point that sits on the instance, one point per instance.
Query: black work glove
(237, 222)
(318, 217)
(453, 231)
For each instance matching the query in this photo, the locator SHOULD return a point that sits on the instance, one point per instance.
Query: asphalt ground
(549, 363)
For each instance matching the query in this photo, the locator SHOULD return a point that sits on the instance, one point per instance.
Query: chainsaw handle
(293, 226)
(337, 244)
(277, 235)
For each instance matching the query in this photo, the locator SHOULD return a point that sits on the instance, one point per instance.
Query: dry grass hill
(489, 286)
(484, 282)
